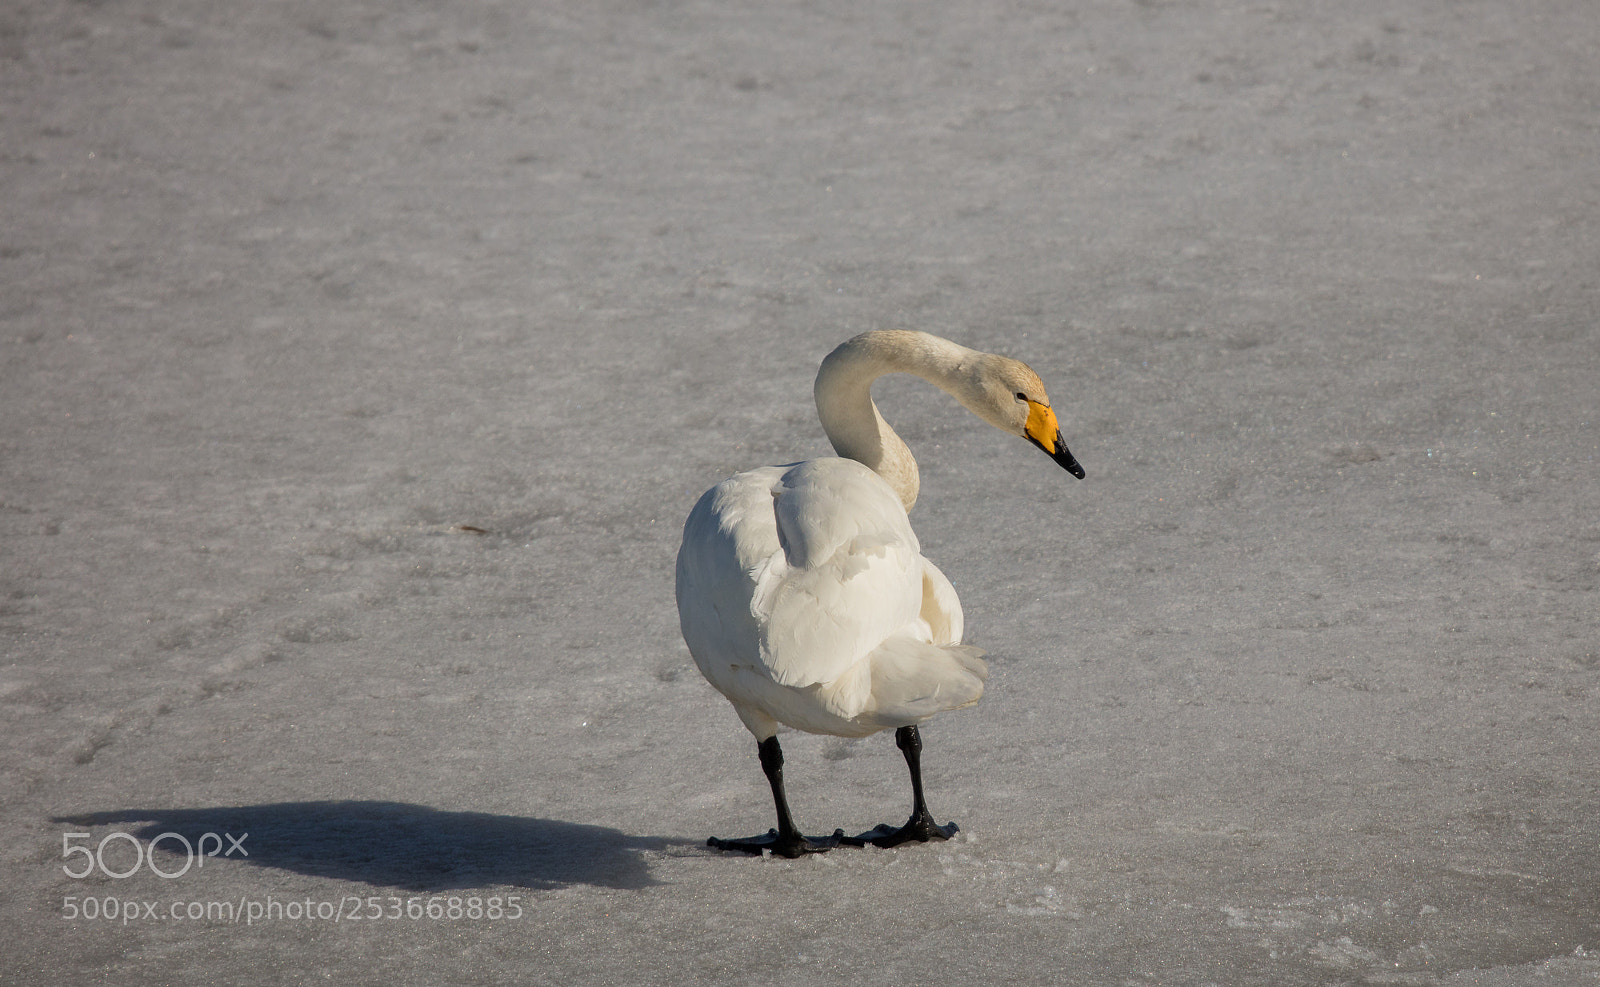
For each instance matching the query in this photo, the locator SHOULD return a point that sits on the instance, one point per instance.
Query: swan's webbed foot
(786, 840)
(789, 845)
(919, 828)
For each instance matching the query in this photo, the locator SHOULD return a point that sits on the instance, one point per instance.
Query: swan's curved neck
(844, 396)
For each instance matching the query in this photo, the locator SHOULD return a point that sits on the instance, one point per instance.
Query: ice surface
(359, 362)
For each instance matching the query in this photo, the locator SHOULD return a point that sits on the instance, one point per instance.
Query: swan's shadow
(394, 844)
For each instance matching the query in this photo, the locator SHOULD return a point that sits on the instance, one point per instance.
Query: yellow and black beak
(1043, 432)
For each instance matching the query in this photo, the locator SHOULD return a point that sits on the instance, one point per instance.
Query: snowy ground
(359, 361)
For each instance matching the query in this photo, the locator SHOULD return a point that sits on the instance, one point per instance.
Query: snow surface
(360, 360)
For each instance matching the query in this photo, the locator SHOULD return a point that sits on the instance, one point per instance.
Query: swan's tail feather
(904, 681)
(971, 659)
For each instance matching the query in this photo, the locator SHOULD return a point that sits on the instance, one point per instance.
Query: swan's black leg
(920, 827)
(786, 840)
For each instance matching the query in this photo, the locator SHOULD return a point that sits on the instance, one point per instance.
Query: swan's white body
(806, 601)
(802, 591)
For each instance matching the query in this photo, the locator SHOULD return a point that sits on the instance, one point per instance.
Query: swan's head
(1012, 398)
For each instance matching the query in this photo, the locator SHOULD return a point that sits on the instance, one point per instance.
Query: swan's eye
(1021, 396)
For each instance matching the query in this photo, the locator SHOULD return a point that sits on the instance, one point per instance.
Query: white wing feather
(849, 576)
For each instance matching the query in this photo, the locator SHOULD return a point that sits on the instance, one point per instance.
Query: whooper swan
(803, 594)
